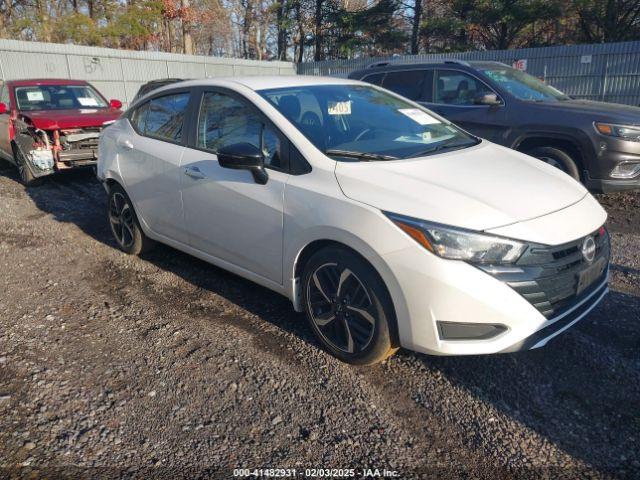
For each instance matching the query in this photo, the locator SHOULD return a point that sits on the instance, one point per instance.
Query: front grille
(75, 146)
(548, 276)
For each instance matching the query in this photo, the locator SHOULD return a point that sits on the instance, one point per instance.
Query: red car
(52, 125)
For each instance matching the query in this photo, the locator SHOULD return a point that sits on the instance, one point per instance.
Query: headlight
(458, 244)
(625, 132)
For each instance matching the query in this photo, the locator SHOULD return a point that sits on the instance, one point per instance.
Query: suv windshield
(58, 97)
(522, 85)
(353, 122)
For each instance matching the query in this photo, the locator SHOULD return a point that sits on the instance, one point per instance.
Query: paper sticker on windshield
(340, 108)
(88, 101)
(418, 116)
(35, 96)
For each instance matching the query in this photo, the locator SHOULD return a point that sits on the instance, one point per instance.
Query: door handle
(194, 172)
(126, 144)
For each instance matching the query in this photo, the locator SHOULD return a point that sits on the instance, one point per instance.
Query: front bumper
(524, 305)
(611, 185)
(555, 326)
(610, 152)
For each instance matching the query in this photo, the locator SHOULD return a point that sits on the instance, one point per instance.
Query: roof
(252, 82)
(391, 65)
(263, 83)
(267, 82)
(45, 81)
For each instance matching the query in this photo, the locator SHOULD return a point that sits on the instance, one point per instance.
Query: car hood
(76, 118)
(479, 188)
(598, 111)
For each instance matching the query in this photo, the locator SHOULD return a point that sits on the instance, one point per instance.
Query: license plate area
(590, 274)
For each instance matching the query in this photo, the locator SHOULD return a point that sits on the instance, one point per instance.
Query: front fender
(575, 136)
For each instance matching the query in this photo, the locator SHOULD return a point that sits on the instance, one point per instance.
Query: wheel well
(317, 245)
(111, 182)
(563, 144)
(308, 251)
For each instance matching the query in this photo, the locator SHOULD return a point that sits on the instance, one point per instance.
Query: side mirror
(117, 104)
(487, 99)
(244, 156)
(3, 108)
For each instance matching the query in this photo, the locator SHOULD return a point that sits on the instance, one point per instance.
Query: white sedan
(389, 226)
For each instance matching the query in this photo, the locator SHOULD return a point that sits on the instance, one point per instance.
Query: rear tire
(124, 223)
(557, 158)
(24, 172)
(348, 307)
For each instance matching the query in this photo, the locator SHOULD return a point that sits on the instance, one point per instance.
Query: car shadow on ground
(581, 392)
(78, 198)
(70, 197)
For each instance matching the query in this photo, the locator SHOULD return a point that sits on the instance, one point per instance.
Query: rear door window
(408, 83)
(165, 117)
(139, 118)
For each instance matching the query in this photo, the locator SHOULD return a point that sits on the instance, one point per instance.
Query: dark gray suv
(594, 142)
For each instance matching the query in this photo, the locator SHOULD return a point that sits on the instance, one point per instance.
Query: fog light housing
(469, 331)
(626, 170)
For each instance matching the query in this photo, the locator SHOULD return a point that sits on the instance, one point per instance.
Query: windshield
(353, 122)
(58, 97)
(522, 85)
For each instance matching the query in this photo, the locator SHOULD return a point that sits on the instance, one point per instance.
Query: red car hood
(78, 118)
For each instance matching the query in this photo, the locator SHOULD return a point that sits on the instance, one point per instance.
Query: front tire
(557, 158)
(124, 223)
(348, 306)
(24, 172)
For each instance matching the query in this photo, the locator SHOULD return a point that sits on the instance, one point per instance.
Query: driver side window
(458, 88)
(224, 120)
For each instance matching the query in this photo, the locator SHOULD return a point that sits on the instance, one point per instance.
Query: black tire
(357, 308)
(558, 158)
(24, 171)
(124, 223)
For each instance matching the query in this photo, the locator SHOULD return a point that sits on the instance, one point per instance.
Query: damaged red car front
(48, 126)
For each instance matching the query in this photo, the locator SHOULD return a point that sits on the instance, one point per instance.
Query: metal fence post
(66, 57)
(124, 83)
(605, 77)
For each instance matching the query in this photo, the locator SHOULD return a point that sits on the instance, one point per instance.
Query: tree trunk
(246, 31)
(43, 18)
(281, 15)
(318, 54)
(415, 27)
(187, 40)
(300, 20)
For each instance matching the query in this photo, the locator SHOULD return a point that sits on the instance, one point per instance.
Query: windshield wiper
(441, 147)
(359, 155)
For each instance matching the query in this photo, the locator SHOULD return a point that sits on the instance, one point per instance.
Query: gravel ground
(167, 367)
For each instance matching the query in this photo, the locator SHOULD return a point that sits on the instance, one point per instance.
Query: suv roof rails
(457, 62)
(379, 64)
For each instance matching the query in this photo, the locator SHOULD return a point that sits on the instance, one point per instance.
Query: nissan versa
(385, 223)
